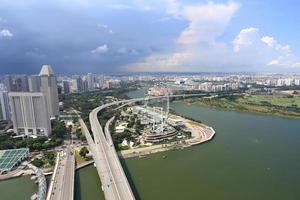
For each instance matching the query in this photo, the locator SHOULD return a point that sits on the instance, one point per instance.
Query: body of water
(17, 188)
(87, 184)
(138, 93)
(251, 157)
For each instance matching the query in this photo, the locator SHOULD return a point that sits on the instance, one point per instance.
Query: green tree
(82, 137)
(58, 129)
(83, 151)
(49, 155)
(37, 162)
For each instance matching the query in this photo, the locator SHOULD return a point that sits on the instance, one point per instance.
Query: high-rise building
(91, 81)
(8, 82)
(66, 87)
(49, 88)
(21, 84)
(73, 86)
(16, 84)
(34, 83)
(79, 84)
(29, 113)
(4, 106)
(85, 86)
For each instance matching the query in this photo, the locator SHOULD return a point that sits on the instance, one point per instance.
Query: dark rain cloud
(64, 34)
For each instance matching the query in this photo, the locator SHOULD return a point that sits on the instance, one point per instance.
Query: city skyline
(143, 36)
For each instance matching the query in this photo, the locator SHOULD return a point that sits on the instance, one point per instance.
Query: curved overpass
(114, 182)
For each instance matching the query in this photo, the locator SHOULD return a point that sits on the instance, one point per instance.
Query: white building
(29, 113)
(4, 106)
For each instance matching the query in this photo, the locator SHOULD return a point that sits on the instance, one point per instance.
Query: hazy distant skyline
(80, 36)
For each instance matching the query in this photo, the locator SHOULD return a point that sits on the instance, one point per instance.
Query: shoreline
(200, 132)
(242, 111)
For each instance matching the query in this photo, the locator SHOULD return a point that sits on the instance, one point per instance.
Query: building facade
(49, 88)
(16, 84)
(34, 83)
(8, 82)
(90, 81)
(66, 87)
(4, 106)
(29, 113)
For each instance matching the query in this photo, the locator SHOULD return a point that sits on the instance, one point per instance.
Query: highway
(62, 183)
(114, 181)
(102, 165)
(116, 185)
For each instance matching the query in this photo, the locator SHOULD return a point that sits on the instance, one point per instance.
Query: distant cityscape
(30, 101)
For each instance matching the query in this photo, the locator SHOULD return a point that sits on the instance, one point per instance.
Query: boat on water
(165, 156)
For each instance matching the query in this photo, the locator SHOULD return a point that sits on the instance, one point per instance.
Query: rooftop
(46, 70)
(11, 158)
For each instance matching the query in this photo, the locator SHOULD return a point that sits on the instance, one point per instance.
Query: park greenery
(83, 152)
(87, 101)
(40, 143)
(273, 104)
(46, 160)
(80, 135)
(134, 129)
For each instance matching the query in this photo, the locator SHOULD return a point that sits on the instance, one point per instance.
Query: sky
(81, 36)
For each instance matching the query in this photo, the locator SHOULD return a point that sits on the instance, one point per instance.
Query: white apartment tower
(29, 113)
(49, 88)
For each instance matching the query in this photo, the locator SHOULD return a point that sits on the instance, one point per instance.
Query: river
(17, 188)
(252, 157)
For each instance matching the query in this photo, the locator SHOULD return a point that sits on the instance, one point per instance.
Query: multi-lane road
(62, 183)
(114, 182)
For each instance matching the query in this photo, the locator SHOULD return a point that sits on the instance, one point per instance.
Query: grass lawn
(78, 158)
(277, 104)
(277, 99)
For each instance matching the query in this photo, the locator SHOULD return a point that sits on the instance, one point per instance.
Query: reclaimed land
(272, 104)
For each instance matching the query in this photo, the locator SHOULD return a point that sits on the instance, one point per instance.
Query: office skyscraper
(85, 86)
(49, 88)
(30, 113)
(66, 87)
(90, 81)
(79, 84)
